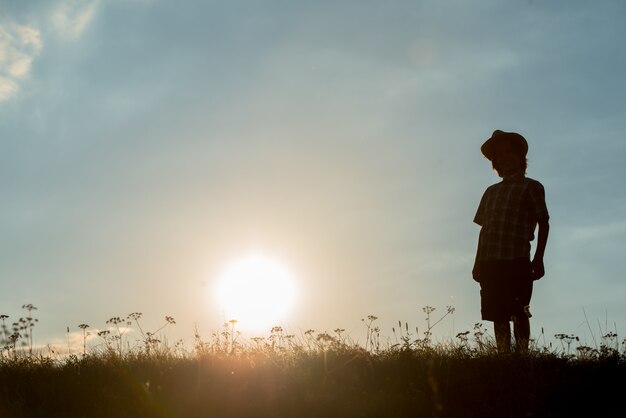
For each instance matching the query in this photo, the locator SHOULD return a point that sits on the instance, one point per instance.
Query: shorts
(506, 287)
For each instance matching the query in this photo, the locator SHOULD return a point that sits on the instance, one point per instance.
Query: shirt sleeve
(479, 218)
(538, 202)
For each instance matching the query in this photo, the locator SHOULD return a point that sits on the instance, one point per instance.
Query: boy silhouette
(508, 214)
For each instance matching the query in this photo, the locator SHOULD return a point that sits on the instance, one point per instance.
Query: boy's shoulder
(533, 182)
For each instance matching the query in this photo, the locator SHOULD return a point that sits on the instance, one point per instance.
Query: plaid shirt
(508, 215)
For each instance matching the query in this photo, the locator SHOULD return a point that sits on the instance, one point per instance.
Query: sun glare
(256, 291)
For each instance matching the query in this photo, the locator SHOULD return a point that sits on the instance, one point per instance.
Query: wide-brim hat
(518, 141)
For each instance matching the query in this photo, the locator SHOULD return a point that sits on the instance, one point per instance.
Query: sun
(256, 291)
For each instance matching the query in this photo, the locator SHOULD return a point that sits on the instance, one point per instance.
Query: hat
(497, 136)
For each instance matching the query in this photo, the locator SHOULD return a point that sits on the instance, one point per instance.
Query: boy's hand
(537, 269)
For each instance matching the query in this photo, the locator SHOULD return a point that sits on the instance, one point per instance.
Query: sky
(147, 144)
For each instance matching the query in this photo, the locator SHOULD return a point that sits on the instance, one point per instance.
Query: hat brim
(518, 141)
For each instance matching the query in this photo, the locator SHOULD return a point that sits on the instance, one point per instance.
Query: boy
(508, 214)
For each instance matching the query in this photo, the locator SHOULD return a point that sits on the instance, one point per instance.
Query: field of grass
(317, 374)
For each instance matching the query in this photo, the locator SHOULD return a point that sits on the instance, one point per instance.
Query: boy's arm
(537, 267)
(478, 220)
(476, 270)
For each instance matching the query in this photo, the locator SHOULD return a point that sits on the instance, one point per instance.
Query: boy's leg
(521, 331)
(523, 291)
(502, 330)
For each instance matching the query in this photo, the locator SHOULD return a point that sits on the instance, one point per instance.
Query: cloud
(7, 88)
(20, 65)
(72, 17)
(19, 45)
(29, 37)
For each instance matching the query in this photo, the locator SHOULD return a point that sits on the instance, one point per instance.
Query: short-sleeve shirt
(508, 214)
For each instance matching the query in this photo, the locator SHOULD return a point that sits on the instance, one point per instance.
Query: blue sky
(145, 143)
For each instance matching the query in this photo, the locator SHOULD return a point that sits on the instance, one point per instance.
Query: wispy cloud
(71, 17)
(7, 88)
(29, 37)
(19, 45)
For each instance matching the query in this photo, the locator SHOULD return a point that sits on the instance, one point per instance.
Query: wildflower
(135, 316)
(325, 337)
(583, 349)
(258, 340)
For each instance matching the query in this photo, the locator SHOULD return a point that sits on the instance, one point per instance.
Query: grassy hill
(320, 375)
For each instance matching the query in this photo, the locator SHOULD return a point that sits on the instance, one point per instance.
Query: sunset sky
(146, 145)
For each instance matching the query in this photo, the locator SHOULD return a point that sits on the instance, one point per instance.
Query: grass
(317, 374)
